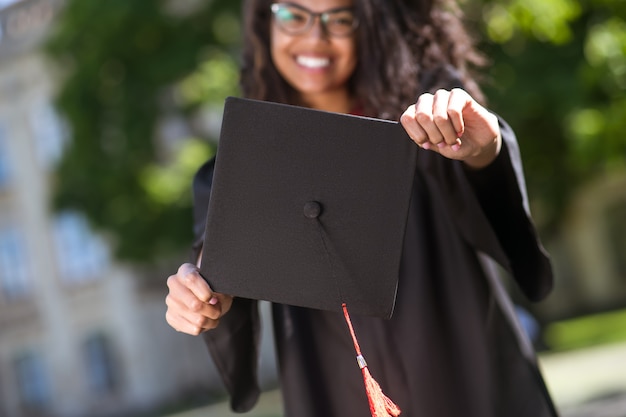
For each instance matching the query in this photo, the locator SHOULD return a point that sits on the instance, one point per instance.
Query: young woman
(453, 346)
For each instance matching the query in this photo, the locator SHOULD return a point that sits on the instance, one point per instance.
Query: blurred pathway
(269, 405)
(584, 383)
(589, 382)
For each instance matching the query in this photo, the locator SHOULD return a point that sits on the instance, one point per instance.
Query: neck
(337, 101)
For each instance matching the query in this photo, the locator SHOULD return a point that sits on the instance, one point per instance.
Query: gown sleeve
(490, 206)
(234, 345)
(490, 209)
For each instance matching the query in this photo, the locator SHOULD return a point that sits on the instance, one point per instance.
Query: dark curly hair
(404, 47)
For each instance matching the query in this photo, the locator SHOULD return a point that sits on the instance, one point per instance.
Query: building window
(5, 168)
(50, 134)
(7, 3)
(32, 381)
(81, 255)
(14, 271)
(99, 364)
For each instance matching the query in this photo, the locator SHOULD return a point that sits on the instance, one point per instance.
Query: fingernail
(213, 301)
(441, 145)
(426, 145)
(455, 147)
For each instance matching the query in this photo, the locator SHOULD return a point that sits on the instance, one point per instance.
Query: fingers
(436, 120)
(190, 277)
(192, 325)
(427, 119)
(457, 102)
(192, 307)
(413, 128)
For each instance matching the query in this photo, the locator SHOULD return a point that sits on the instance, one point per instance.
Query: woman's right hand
(192, 307)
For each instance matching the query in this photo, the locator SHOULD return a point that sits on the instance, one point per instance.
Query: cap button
(312, 209)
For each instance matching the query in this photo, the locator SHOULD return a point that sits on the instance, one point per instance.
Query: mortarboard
(308, 208)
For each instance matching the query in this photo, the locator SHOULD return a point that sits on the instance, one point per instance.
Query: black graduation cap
(308, 208)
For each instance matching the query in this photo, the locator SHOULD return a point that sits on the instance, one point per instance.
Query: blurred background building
(80, 335)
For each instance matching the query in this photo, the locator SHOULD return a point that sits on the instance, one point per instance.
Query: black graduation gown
(453, 346)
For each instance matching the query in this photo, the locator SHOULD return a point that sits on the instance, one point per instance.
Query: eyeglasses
(294, 19)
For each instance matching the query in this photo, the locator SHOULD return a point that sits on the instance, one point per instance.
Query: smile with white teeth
(312, 62)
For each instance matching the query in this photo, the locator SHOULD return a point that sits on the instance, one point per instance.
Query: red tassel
(380, 404)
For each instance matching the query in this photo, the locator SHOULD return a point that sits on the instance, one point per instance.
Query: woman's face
(317, 59)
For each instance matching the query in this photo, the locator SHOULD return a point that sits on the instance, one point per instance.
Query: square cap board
(308, 208)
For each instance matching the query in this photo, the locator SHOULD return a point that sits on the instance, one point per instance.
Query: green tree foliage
(121, 63)
(134, 71)
(559, 77)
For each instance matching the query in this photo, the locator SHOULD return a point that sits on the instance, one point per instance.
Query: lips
(312, 62)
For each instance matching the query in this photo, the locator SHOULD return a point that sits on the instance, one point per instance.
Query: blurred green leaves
(169, 184)
(216, 78)
(558, 76)
(606, 47)
(540, 19)
(121, 64)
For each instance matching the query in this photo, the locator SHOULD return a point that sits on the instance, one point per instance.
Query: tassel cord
(380, 404)
(357, 348)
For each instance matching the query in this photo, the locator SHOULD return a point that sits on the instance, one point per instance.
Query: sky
(5, 3)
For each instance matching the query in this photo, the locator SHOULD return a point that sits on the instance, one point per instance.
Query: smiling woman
(453, 345)
(315, 51)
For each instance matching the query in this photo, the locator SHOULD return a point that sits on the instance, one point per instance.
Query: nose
(318, 28)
